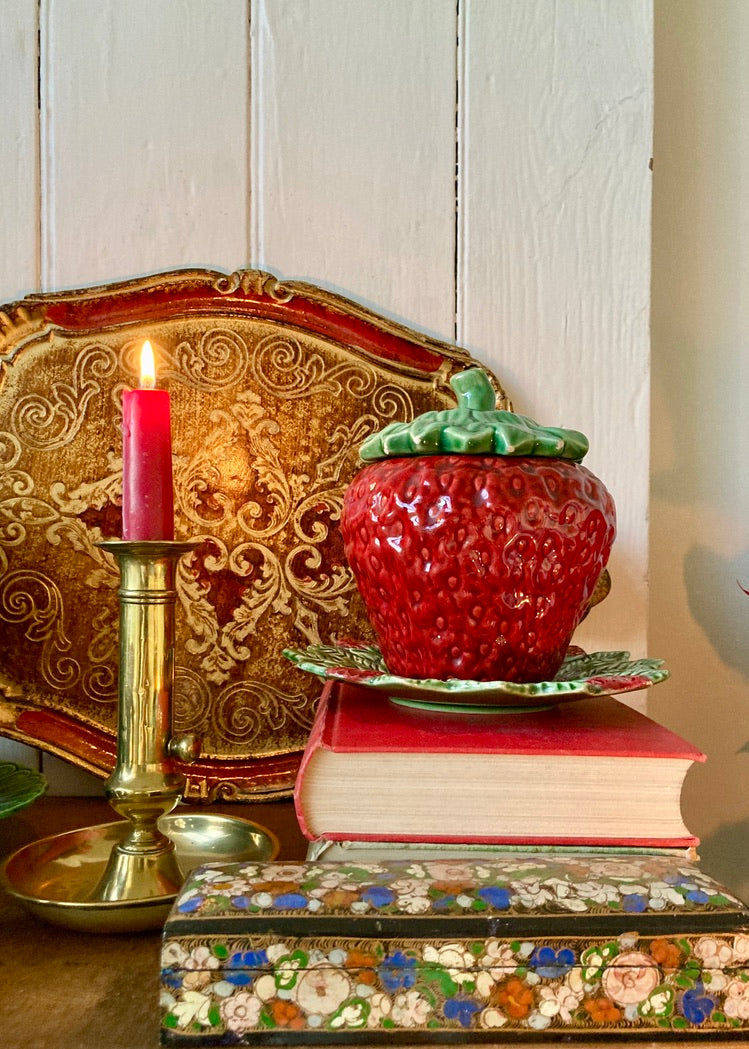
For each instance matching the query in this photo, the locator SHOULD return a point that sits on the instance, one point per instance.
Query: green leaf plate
(19, 786)
(581, 674)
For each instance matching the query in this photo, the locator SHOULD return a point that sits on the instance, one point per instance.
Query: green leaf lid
(475, 427)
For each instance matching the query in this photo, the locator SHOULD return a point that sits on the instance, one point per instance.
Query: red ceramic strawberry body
(476, 566)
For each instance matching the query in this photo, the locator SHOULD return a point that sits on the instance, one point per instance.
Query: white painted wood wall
(478, 169)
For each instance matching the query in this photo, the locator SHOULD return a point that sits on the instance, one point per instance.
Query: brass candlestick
(129, 873)
(144, 785)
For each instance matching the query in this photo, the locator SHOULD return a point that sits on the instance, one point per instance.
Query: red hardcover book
(587, 772)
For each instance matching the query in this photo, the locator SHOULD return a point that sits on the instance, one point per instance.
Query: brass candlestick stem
(144, 785)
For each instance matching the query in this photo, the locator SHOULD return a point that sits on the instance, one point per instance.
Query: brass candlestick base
(127, 879)
(144, 785)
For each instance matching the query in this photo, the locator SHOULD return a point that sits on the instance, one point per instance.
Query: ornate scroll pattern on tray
(271, 398)
(45, 422)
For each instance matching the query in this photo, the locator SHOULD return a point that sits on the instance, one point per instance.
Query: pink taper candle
(147, 490)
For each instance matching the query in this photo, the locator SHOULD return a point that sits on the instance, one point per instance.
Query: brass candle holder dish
(124, 876)
(144, 785)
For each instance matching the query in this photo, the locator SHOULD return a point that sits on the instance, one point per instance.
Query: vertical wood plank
(144, 137)
(354, 150)
(19, 192)
(553, 250)
(19, 160)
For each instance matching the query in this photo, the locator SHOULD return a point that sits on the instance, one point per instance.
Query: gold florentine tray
(273, 387)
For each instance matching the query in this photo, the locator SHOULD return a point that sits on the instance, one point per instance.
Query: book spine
(317, 740)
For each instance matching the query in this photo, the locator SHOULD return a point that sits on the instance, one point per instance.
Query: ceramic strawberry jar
(476, 538)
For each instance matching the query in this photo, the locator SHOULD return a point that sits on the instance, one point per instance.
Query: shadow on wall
(725, 855)
(699, 534)
(717, 603)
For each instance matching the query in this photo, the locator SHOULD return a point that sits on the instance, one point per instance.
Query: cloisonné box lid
(456, 950)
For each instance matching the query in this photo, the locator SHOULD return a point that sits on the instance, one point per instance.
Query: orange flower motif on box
(337, 899)
(514, 997)
(276, 887)
(667, 953)
(362, 965)
(602, 1011)
(454, 888)
(287, 1014)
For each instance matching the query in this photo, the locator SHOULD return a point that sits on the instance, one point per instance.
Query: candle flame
(147, 367)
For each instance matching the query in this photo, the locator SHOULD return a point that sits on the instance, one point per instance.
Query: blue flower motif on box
(698, 896)
(444, 903)
(378, 895)
(290, 901)
(248, 960)
(696, 1004)
(634, 903)
(238, 978)
(496, 896)
(551, 964)
(172, 978)
(193, 904)
(397, 972)
(461, 1009)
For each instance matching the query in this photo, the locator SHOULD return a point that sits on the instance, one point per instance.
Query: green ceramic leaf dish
(19, 786)
(581, 674)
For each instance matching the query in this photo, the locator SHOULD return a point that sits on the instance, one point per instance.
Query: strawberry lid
(475, 427)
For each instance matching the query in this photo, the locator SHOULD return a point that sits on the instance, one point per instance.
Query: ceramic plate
(581, 674)
(19, 786)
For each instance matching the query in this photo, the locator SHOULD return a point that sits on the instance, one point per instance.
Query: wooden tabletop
(69, 990)
(65, 990)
